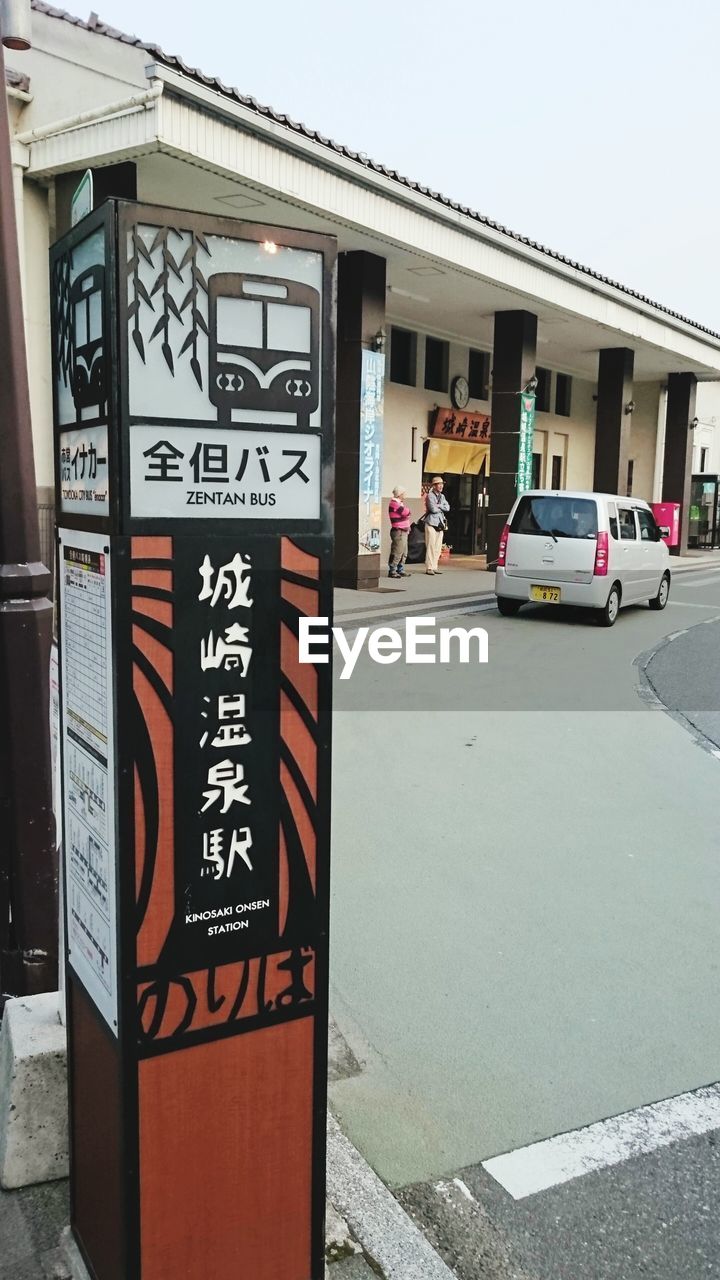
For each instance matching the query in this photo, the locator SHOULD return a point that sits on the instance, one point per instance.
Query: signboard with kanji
(372, 392)
(456, 424)
(525, 446)
(194, 388)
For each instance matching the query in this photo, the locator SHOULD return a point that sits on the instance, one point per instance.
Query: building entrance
(467, 495)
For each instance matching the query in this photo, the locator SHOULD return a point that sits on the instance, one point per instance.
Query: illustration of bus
(87, 351)
(263, 345)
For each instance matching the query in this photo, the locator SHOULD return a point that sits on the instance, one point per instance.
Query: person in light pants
(436, 507)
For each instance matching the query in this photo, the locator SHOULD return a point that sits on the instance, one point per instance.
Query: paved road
(526, 894)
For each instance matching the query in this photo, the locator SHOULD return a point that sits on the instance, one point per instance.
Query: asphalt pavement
(526, 893)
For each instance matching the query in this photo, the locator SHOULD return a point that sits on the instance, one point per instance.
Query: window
(649, 531)
(479, 375)
(631, 468)
(612, 518)
(536, 469)
(557, 470)
(703, 458)
(563, 395)
(542, 391)
(556, 517)
(437, 358)
(627, 525)
(403, 356)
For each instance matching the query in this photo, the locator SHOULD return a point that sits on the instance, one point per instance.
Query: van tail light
(502, 549)
(601, 556)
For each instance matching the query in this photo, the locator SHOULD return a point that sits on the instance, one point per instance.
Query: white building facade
(423, 280)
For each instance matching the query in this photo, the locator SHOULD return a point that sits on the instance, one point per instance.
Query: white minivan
(597, 550)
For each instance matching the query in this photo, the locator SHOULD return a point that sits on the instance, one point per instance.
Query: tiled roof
(172, 60)
(17, 80)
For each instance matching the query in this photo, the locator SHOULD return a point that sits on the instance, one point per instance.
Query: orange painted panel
(297, 560)
(225, 1158)
(160, 578)
(152, 548)
(300, 742)
(303, 823)
(161, 906)
(304, 598)
(302, 676)
(160, 610)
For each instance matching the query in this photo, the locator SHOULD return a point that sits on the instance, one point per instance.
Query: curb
(385, 1231)
(650, 696)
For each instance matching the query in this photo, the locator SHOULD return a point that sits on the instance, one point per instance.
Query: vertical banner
(372, 392)
(525, 449)
(194, 403)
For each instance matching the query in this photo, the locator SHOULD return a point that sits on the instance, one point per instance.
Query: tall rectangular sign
(525, 449)
(372, 394)
(194, 400)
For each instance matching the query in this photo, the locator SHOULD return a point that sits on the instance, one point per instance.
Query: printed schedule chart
(88, 765)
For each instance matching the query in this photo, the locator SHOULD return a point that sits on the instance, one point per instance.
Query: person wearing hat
(400, 519)
(436, 508)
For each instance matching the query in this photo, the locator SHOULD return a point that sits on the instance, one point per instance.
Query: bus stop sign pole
(193, 409)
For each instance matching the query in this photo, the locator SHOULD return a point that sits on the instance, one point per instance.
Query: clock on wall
(460, 392)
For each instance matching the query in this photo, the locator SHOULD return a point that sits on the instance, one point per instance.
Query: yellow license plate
(547, 595)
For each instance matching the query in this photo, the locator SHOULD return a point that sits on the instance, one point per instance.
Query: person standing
(400, 519)
(436, 508)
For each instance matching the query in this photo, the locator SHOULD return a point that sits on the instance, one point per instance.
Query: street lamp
(28, 874)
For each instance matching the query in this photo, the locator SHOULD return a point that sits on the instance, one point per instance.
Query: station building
(467, 313)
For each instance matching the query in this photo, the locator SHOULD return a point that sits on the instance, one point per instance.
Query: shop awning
(456, 458)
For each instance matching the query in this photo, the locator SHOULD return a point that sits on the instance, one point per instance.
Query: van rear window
(556, 517)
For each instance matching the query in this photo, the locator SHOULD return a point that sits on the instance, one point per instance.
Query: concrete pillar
(677, 465)
(613, 422)
(514, 358)
(360, 316)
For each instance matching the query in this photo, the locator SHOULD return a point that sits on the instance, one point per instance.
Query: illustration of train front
(87, 351)
(263, 346)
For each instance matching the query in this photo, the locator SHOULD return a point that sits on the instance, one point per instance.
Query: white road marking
(691, 604)
(570, 1155)
(705, 581)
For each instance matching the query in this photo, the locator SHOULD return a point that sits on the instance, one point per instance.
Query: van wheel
(660, 600)
(608, 614)
(507, 607)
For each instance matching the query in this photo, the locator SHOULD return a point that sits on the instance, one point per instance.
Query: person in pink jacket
(400, 520)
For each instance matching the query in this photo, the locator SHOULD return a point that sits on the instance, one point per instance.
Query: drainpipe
(660, 445)
(124, 106)
(20, 161)
(28, 872)
(21, 95)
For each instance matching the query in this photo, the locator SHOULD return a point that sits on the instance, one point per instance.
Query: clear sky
(591, 127)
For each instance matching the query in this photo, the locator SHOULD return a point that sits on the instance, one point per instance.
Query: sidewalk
(460, 580)
(695, 560)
